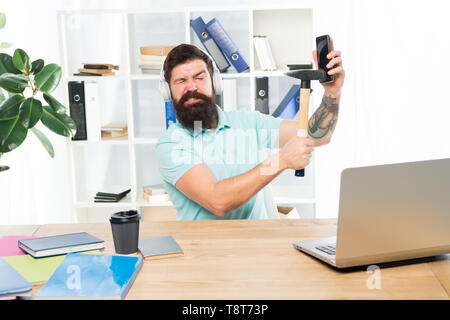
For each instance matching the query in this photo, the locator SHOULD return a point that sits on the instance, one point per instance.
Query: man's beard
(204, 111)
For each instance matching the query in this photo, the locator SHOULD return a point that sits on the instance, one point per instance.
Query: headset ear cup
(217, 82)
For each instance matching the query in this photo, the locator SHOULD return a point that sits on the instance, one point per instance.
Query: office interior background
(394, 107)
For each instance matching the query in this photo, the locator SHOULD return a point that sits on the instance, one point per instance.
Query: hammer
(305, 75)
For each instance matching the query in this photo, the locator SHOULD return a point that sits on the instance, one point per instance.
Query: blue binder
(227, 45)
(288, 107)
(199, 27)
(170, 114)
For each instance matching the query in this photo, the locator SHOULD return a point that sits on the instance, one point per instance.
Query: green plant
(26, 83)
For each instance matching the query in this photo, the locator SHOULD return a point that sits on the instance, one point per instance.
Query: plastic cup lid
(125, 216)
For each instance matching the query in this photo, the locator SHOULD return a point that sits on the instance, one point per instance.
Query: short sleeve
(267, 130)
(175, 157)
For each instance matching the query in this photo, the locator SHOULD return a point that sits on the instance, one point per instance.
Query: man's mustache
(193, 95)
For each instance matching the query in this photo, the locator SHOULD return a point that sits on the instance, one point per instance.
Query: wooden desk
(256, 260)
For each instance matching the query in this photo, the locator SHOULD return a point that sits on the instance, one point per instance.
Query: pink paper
(9, 245)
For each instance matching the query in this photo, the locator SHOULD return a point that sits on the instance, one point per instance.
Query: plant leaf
(36, 66)
(14, 83)
(5, 45)
(10, 107)
(2, 96)
(7, 65)
(45, 142)
(21, 60)
(12, 134)
(48, 79)
(55, 104)
(59, 123)
(2, 20)
(30, 112)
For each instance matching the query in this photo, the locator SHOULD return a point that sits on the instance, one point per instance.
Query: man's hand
(336, 70)
(296, 153)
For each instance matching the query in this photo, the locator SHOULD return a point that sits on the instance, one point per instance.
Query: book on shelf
(12, 284)
(154, 189)
(159, 248)
(155, 51)
(97, 277)
(299, 65)
(100, 66)
(264, 53)
(155, 198)
(113, 193)
(114, 129)
(60, 244)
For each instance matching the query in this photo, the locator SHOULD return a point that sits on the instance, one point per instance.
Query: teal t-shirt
(240, 142)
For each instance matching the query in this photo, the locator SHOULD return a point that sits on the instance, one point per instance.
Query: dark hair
(182, 54)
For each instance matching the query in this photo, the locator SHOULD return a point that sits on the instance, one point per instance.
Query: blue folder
(11, 282)
(227, 45)
(199, 27)
(92, 276)
(170, 114)
(288, 107)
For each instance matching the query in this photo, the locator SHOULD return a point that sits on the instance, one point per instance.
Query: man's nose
(191, 85)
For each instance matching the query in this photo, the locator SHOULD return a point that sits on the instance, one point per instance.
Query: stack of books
(115, 129)
(97, 69)
(112, 194)
(155, 193)
(152, 58)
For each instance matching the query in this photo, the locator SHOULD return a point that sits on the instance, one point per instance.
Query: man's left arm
(322, 123)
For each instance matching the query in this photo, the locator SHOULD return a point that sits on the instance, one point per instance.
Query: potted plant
(27, 100)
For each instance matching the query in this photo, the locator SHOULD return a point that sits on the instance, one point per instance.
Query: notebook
(84, 276)
(12, 284)
(61, 244)
(9, 245)
(159, 248)
(37, 270)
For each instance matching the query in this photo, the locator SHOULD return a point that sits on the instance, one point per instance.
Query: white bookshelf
(114, 36)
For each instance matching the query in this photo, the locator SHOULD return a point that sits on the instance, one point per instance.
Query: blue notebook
(89, 276)
(61, 244)
(11, 282)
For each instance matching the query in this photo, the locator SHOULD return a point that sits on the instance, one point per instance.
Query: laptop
(388, 213)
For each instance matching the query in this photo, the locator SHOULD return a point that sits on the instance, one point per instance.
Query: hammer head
(306, 74)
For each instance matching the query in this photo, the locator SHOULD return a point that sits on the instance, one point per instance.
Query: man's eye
(200, 78)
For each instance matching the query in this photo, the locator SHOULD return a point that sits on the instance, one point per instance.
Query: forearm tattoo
(324, 119)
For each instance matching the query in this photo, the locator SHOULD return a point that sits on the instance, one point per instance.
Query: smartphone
(323, 47)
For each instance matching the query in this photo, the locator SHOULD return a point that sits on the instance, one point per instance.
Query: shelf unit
(114, 36)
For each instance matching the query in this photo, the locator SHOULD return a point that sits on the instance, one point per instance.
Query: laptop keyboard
(328, 249)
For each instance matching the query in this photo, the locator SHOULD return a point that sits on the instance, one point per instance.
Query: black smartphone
(323, 47)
